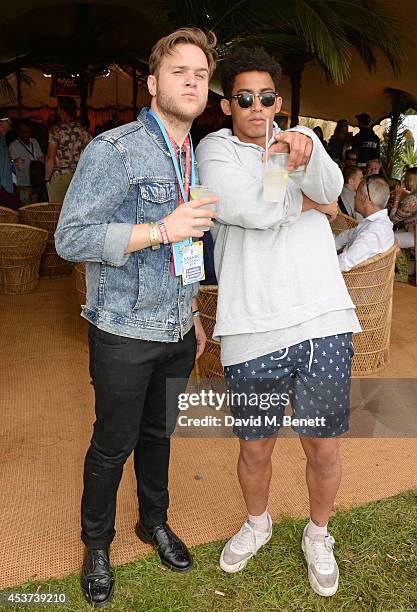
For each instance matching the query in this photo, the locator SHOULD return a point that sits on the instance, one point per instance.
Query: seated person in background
(352, 178)
(404, 209)
(351, 159)
(373, 166)
(374, 234)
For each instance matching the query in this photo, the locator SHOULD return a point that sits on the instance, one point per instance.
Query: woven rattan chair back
(209, 365)
(45, 215)
(21, 249)
(7, 215)
(342, 223)
(370, 286)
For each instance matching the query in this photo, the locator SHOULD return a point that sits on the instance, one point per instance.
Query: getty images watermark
(234, 409)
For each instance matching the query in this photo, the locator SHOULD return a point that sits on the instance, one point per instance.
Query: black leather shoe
(97, 579)
(171, 550)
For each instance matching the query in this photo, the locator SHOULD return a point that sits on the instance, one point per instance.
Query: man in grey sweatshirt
(284, 316)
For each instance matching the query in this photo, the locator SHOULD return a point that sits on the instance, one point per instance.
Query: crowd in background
(38, 158)
(360, 156)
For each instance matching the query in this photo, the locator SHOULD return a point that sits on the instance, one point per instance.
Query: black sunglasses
(245, 100)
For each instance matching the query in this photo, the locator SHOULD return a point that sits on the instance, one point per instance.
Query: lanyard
(184, 183)
(189, 178)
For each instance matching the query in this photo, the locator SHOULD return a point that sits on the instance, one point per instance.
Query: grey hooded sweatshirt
(277, 268)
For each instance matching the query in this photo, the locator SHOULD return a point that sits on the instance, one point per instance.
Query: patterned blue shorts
(312, 377)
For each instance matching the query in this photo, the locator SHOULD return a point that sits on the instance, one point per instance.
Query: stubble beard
(174, 112)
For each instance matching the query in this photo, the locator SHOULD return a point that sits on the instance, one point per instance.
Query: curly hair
(249, 59)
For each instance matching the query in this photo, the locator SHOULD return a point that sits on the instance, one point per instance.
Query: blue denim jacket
(124, 177)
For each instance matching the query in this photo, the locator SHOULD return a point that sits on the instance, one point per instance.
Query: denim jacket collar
(152, 129)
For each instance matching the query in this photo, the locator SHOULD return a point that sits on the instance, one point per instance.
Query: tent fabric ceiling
(20, 7)
(50, 29)
(138, 27)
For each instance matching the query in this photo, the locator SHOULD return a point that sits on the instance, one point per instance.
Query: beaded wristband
(163, 231)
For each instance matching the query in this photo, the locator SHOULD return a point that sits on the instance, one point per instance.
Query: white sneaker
(244, 545)
(323, 572)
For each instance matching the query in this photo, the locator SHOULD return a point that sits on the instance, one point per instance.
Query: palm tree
(298, 32)
(13, 94)
(352, 24)
(393, 153)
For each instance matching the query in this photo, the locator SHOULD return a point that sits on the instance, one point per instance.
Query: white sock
(314, 530)
(259, 523)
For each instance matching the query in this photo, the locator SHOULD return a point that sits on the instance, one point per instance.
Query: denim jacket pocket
(156, 200)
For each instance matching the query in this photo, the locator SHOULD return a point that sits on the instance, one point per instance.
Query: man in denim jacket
(142, 329)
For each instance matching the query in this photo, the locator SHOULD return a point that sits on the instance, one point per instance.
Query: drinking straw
(266, 140)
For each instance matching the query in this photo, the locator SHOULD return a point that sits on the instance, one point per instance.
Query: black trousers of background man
(132, 414)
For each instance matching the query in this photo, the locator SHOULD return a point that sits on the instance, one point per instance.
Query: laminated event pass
(193, 263)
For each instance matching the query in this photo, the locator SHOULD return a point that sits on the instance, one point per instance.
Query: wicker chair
(209, 365)
(8, 215)
(342, 223)
(80, 286)
(21, 249)
(45, 216)
(370, 285)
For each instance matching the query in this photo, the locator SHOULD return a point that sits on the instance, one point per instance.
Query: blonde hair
(410, 180)
(184, 36)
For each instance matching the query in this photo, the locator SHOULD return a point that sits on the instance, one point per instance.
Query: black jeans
(136, 385)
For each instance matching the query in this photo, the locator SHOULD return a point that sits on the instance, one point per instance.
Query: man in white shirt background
(374, 234)
(22, 151)
(352, 177)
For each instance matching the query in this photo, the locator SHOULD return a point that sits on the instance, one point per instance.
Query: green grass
(376, 548)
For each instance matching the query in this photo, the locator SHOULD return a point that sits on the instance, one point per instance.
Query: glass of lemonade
(275, 177)
(201, 191)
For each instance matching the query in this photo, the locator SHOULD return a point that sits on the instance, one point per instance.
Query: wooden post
(134, 91)
(295, 78)
(84, 81)
(19, 93)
